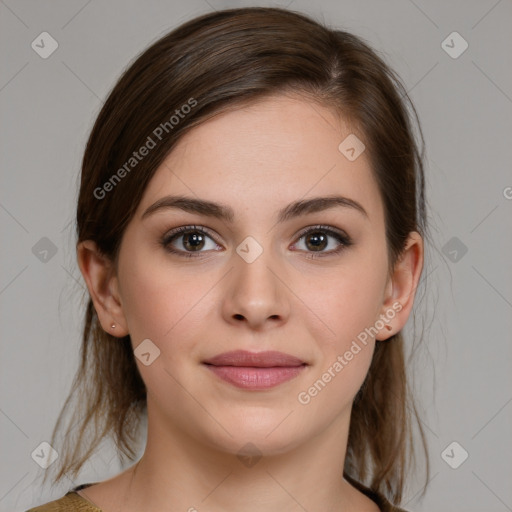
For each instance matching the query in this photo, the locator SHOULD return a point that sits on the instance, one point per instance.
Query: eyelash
(345, 240)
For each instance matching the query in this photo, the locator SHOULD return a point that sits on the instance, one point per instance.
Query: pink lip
(256, 359)
(255, 370)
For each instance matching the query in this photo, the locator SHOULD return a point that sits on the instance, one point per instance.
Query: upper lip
(256, 359)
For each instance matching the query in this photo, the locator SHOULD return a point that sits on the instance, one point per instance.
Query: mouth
(255, 370)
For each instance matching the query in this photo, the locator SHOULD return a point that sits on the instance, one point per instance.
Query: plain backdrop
(462, 371)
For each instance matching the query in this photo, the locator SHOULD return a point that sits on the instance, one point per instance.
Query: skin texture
(257, 160)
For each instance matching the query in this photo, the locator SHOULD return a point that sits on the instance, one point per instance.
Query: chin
(274, 438)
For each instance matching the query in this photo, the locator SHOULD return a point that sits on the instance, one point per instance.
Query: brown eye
(187, 240)
(317, 240)
(193, 241)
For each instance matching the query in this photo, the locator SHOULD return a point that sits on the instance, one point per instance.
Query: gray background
(462, 371)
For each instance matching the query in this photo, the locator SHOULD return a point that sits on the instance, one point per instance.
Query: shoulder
(383, 504)
(71, 502)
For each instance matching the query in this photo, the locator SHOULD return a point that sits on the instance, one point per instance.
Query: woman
(251, 224)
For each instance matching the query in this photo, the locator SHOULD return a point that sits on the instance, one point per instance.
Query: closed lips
(267, 359)
(255, 371)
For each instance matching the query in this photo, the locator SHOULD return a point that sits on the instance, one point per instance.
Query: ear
(401, 288)
(99, 274)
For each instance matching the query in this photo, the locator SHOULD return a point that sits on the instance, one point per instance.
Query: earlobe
(98, 273)
(401, 287)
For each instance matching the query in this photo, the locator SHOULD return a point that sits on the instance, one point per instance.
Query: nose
(256, 293)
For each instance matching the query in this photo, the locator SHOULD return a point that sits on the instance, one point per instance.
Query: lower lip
(256, 378)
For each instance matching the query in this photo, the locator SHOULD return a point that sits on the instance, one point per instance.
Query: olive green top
(74, 502)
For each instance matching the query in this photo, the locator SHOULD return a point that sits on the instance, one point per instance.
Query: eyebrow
(226, 213)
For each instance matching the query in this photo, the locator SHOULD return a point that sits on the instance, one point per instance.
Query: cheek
(146, 307)
(347, 302)
(162, 302)
(350, 308)
(150, 296)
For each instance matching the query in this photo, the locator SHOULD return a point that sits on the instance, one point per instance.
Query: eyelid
(343, 239)
(322, 227)
(174, 232)
(171, 233)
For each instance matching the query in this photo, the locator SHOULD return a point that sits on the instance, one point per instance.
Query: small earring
(389, 328)
(113, 326)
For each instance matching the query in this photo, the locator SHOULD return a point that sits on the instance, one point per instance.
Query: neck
(178, 472)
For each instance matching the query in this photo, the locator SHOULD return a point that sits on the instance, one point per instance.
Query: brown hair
(213, 63)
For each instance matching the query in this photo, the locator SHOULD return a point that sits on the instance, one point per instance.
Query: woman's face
(261, 280)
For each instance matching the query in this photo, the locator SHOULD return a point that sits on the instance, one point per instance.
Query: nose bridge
(255, 288)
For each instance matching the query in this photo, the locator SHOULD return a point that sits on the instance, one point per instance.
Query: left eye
(316, 239)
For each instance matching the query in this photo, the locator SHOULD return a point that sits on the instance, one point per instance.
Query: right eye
(193, 239)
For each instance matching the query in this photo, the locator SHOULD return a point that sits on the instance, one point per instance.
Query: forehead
(268, 153)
